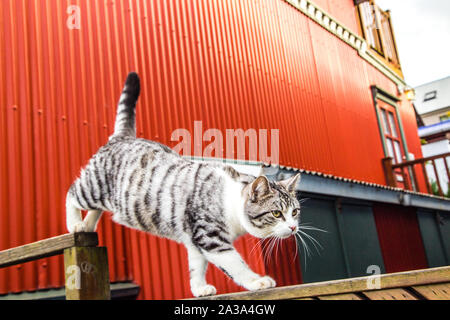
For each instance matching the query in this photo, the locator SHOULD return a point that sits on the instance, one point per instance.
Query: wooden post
(87, 274)
(389, 172)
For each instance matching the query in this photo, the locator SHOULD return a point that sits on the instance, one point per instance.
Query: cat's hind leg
(91, 220)
(75, 202)
(197, 269)
(74, 219)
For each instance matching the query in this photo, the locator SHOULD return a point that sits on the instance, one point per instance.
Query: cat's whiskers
(305, 246)
(259, 243)
(313, 241)
(269, 248)
(279, 244)
(308, 227)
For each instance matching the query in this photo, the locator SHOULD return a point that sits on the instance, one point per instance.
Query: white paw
(80, 227)
(261, 283)
(203, 291)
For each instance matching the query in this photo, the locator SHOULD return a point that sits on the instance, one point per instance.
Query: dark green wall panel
(330, 263)
(360, 239)
(444, 226)
(434, 237)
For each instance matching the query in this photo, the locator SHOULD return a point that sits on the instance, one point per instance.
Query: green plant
(448, 190)
(435, 189)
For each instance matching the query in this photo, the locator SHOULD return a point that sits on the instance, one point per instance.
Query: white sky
(422, 31)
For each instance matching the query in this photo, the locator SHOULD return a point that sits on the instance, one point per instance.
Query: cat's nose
(293, 228)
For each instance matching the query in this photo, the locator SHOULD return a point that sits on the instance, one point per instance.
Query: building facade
(433, 105)
(324, 73)
(433, 101)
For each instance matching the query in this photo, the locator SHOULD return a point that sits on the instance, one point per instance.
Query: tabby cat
(149, 187)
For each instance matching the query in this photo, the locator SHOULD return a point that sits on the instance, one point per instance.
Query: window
(430, 96)
(391, 130)
(390, 49)
(391, 136)
(369, 22)
(377, 29)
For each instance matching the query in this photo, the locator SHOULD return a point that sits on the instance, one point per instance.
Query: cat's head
(272, 208)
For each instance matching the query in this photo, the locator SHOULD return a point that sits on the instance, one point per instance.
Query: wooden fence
(85, 264)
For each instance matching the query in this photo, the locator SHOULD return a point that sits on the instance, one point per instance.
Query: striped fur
(149, 187)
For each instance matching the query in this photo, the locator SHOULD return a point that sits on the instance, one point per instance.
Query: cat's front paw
(261, 283)
(80, 227)
(203, 291)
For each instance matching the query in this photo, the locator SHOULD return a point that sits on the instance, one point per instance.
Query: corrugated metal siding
(400, 239)
(282, 261)
(343, 10)
(251, 64)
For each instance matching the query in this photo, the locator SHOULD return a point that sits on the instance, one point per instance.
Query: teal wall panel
(360, 239)
(327, 263)
(433, 241)
(444, 228)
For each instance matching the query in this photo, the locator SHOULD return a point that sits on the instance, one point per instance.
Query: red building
(325, 73)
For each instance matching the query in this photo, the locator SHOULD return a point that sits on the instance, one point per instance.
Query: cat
(205, 206)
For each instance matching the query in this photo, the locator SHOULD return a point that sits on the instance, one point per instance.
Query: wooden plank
(345, 296)
(389, 294)
(47, 248)
(87, 273)
(387, 281)
(434, 291)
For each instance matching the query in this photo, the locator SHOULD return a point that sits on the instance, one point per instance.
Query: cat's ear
(291, 183)
(260, 188)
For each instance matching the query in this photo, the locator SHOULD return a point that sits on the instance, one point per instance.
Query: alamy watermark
(231, 144)
(374, 281)
(73, 274)
(74, 19)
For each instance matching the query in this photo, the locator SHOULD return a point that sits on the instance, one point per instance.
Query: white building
(433, 105)
(433, 101)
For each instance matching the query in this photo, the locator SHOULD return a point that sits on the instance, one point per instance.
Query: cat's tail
(126, 110)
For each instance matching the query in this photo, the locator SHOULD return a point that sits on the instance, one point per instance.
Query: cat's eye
(295, 212)
(276, 213)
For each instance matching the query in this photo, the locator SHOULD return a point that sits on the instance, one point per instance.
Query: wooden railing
(85, 264)
(429, 175)
(426, 284)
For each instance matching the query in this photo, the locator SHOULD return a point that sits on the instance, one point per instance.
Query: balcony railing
(428, 175)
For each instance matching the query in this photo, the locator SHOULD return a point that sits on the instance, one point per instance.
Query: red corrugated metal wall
(247, 64)
(400, 240)
(282, 261)
(343, 10)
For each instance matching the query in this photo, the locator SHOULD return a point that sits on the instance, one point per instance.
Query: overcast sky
(422, 31)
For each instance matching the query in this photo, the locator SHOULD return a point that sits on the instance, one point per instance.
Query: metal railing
(429, 175)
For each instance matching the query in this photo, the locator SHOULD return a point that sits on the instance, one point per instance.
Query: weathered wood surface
(86, 273)
(345, 296)
(389, 294)
(425, 277)
(47, 248)
(434, 291)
